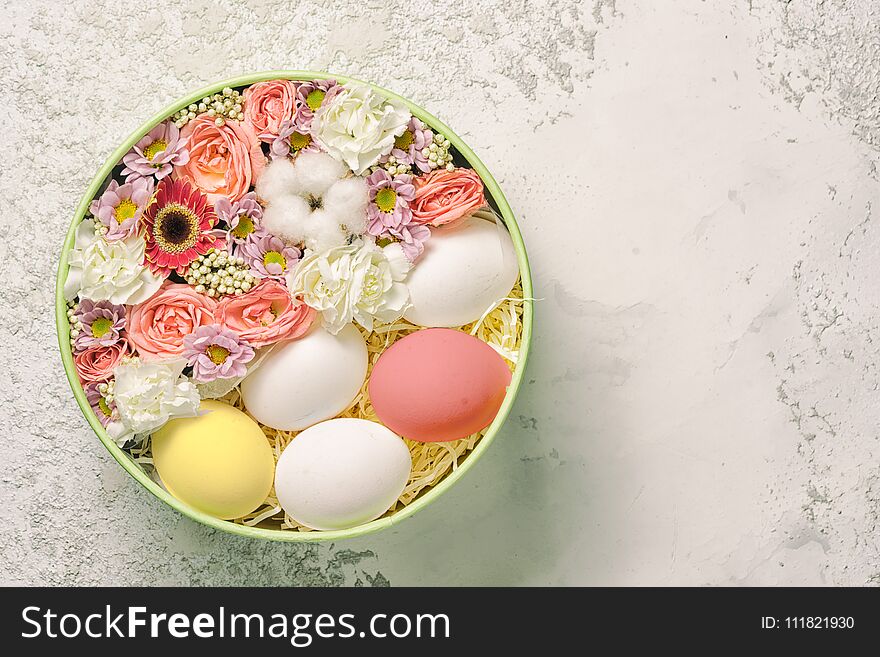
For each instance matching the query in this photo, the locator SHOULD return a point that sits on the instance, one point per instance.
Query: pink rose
(267, 105)
(265, 315)
(96, 364)
(157, 326)
(445, 196)
(224, 161)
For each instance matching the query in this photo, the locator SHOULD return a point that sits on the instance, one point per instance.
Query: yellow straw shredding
(500, 327)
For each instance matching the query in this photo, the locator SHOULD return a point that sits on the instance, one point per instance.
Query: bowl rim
(63, 327)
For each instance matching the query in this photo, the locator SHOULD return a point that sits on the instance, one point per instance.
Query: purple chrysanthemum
(120, 207)
(102, 324)
(156, 153)
(292, 138)
(267, 256)
(389, 202)
(104, 406)
(215, 352)
(309, 97)
(243, 218)
(408, 146)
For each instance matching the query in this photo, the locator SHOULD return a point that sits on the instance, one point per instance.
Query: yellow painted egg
(219, 462)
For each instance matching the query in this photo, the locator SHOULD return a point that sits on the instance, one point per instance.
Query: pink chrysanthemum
(291, 139)
(409, 145)
(390, 215)
(104, 406)
(242, 218)
(412, 240)
(309, 97)
(389, 201)
(178, 227)
(102, 324)
(120, 207)
(215, 352)
(267, 256)
(156, 154)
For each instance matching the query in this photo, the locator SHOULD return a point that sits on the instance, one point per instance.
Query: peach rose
(265, 315)
(445, 196)
(157, 326)
(224, 161)
(267, 104)
(96, 364)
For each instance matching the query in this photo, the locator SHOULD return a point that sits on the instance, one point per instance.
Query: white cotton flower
(313, 201)
(148, 394)
(112, 271)
(359, 281)
(358, 126)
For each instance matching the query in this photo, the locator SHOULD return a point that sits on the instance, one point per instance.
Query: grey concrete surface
(697, 185)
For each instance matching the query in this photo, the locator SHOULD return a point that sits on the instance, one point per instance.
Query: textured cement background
(697, 184)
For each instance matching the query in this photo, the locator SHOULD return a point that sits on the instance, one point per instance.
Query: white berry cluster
(393, 167)
(438, 153)
(217, 273)
(222, 106)
(107, 389)
(74, 321)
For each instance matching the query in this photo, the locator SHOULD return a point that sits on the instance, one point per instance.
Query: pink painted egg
(438, 384)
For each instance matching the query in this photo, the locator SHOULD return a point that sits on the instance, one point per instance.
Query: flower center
(386, 199)
(274, 258)
(105, 407)
(298, 141)
(404, 141)
(101, 327)
(125, 210)
(217, 354)
(315, 98)
(315, 202)
(244, 228)
(372, 287)
(176, 228)
(271, 314)
(155, 148)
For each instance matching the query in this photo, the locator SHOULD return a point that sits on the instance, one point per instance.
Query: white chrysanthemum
(148, 394)
(111, 271)
(313, 201)
(358, 126)
(360, 281)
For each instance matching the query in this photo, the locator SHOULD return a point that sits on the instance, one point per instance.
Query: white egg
(465, 269)
(307, 380)
(341, 473)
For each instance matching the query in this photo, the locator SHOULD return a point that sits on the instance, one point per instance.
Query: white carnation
(117, 431)
(358, 126)
(383, 296)
(359, 281)
(148, 394)
(112, 271)
(313, 201)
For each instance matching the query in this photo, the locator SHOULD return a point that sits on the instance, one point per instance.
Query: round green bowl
(497, 197)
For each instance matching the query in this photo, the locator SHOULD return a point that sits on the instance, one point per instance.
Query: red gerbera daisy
(178, 227)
